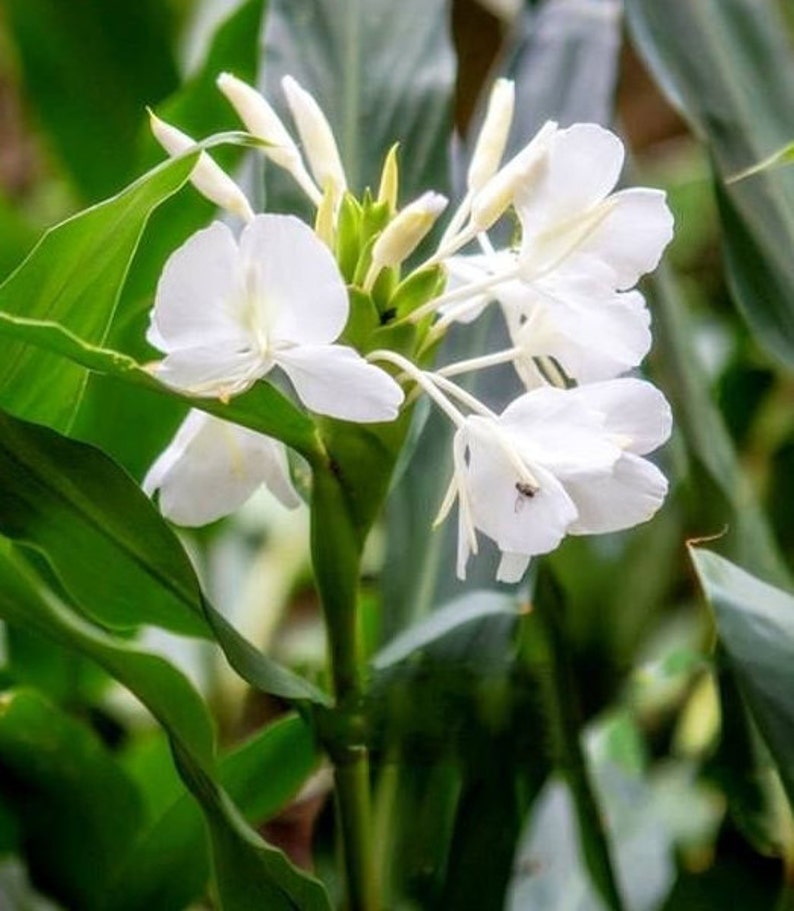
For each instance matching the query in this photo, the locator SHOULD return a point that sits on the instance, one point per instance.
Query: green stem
(559, 690)
(336, 552)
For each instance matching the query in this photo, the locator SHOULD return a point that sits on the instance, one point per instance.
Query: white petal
(300, 295)
(212, 467)
(633, 410)
(336, 381)
(197, 282)
(630, 495)
(551, 427)
(632, 235)
(212, 372)
(512, 567)
(517, 523)
(592, 340)
(582, 166)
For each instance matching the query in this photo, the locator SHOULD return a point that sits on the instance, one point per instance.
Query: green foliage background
(649, 690)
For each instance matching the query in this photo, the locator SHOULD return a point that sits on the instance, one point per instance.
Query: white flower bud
(493, 135)
(260, 120)
(493, 199)
(317, 137)
(207, 177)
(405, 231)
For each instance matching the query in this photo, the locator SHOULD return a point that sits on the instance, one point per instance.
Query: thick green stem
(336, 552)
(559, 693)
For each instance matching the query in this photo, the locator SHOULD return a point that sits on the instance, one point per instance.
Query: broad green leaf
(109, 548)
(755, 622)
(452, 703)
(26, 602)
(248, 872)
(466, 612)
(198, 108)
(727, 66)
(90, 69)
(550, 872)
(73, 504)
(748, 536)
(245, 866)
(78, 811)
(57, 673)
(382, 72)
(169, 865)
(73, 277)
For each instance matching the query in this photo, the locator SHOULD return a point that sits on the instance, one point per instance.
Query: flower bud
(260, 119)
(492, 139)
(315, 132)
(390, 179)
(207, 177)
(263, 122)
(405, 231)
(493, 199)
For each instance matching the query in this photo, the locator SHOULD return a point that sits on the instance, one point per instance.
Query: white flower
(570, 223)
(592, 331)
(558, 462)
(211, 467)
(226, 313)
(566, 293)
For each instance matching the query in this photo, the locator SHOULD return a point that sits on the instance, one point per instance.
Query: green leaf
(452, 704)
(550, 869)
(71, 502)
(755, 622)
(169, 865)
(726, 494)
(90, 69)
(73, 277)
(25, 601)
(78, 811)
(382, 72)
(727, 66)
(108, 546)
(461, 618)
(246, 868)
(248, 872)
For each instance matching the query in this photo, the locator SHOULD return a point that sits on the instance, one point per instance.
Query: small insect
(525, 491)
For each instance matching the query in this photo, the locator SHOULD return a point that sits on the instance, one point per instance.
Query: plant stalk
(336, 552)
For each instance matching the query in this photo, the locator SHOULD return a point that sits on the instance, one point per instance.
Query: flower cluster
(566, 457)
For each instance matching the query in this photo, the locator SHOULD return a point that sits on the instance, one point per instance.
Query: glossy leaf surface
(727, 66)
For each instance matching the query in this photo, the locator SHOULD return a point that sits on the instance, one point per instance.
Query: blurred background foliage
(481, 777)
